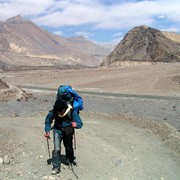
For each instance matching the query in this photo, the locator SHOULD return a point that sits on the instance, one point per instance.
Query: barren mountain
(173, 36)
(145, 44)
(22, 43)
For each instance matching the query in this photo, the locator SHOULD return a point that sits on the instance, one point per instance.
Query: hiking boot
(55, 170)
(71, 164)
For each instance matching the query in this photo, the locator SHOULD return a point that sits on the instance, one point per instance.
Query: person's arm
(48, 121)
(77, 122)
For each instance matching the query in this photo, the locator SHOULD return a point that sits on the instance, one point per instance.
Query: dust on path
(108, 147)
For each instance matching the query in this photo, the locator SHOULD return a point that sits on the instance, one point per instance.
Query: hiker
(65, 120)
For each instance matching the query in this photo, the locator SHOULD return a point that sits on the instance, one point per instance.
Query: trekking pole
(74, 140)
(75, 148)
(48, 160)
(74, 173)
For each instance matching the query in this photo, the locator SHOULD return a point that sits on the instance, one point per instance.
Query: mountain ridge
(144, 44)
(23, 43)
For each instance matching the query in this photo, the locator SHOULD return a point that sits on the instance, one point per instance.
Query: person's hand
(47, 135)
(73, 124)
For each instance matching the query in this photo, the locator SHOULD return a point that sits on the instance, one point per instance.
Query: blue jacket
(60, 123)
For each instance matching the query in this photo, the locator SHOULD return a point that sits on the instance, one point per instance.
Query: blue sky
(103, 21)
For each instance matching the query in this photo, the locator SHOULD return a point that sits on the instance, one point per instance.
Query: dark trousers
(68, 144)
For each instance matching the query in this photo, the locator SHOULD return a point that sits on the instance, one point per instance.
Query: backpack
(67, 94)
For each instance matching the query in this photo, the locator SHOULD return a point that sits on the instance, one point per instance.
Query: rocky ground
(124, 137)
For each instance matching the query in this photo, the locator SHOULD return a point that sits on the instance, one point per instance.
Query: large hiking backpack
(67, 94)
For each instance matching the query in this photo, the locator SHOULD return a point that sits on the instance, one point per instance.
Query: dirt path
(108, 147)
(122, 145)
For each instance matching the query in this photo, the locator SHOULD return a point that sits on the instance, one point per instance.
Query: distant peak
(142, 27)
(79, 37)
(145, 27)
(17, 18)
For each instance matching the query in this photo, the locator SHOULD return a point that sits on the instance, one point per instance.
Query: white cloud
(117, 34)
(121, 14)
(162, 16)
(126, 15)
(84, 34)
(72, 14)
(25, 8)
(59, 33)
(116, 40)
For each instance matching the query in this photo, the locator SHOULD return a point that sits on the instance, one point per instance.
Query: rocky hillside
(144, 44)
(173, 36)
(22, 43)
(3, 85)
(10, 92)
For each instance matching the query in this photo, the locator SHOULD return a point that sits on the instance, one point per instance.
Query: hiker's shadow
(63, 161)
